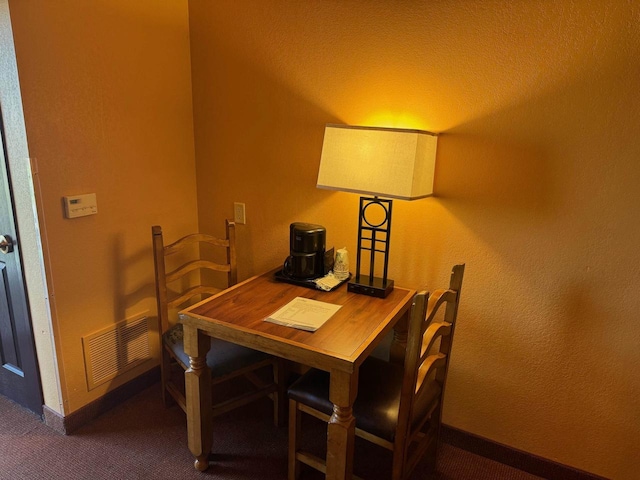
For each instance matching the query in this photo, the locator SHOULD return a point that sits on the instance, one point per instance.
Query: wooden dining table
(339, 347)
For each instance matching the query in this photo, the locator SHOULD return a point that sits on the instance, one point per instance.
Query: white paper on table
(304, 314)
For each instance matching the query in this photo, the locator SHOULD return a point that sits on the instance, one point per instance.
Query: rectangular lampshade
(385, 162)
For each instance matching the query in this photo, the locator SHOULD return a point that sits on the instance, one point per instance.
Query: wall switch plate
(80, 205)
(239, 213)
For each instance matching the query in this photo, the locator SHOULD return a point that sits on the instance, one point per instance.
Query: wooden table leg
(399, 342)
(342, 425)
(198, 396)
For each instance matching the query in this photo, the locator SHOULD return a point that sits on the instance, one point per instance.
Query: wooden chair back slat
(434, 332)
(193, 239)
(436, 299)
(190, 293)
(180, 272)
(427, 367)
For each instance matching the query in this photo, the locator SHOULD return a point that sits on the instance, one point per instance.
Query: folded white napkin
(327, 282)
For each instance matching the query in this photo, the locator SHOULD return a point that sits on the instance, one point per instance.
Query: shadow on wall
(490, 174)
(132, 302)
(129, 299)
(260, 144)
(548, 187)
(554, 165)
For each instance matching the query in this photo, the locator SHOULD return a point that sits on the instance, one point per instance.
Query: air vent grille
(115, 350)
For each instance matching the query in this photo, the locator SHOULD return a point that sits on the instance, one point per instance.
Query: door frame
(25, 185)
(20, 376)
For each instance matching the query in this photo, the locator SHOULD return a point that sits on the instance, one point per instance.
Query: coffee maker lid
(301, 227)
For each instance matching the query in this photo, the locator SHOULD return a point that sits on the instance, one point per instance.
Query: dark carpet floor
(141, 439)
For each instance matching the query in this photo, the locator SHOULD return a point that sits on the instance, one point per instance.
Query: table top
(343, 342)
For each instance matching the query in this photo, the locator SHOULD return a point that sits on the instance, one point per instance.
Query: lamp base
(374, 288)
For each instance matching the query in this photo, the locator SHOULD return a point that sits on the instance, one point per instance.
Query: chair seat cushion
(222, 358)
(377, 404)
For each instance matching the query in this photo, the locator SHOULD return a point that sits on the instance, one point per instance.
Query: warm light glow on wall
(392, 119)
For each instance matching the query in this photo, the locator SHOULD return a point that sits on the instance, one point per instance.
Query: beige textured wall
(106, 87)
(537, 185)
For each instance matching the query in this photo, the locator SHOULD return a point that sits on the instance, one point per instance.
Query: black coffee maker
(307, 243)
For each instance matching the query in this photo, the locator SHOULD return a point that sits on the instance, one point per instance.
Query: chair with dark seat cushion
(191, 269)
(398, 407)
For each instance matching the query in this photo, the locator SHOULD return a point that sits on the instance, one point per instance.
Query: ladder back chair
(398, 407)
(187, 271)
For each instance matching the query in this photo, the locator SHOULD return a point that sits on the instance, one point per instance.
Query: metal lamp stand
(373, 237)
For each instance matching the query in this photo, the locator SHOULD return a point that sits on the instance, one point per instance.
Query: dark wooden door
(19, 376)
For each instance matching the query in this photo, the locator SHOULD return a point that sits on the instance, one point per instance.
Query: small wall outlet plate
(239, 213)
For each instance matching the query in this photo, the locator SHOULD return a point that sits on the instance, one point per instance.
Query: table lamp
(376, 162)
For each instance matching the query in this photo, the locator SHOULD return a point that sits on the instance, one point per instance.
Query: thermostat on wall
(80, 205)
